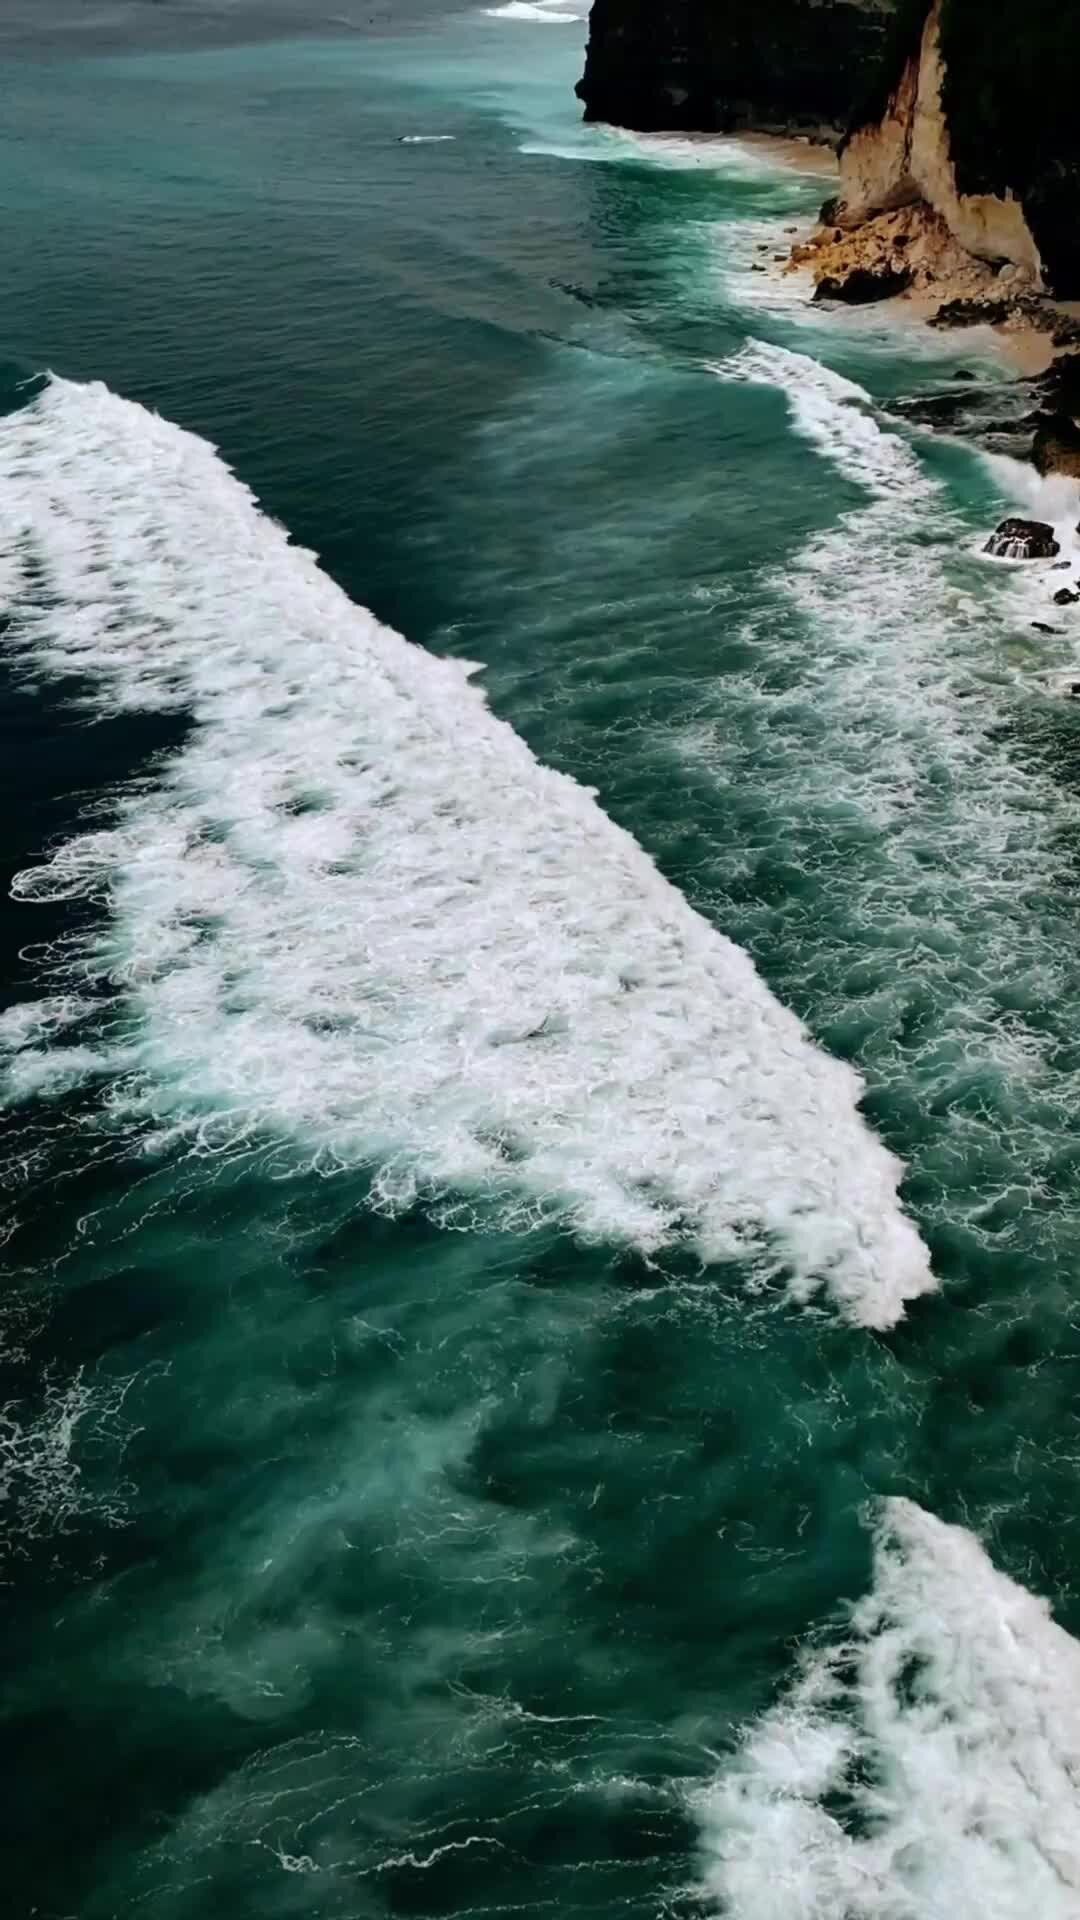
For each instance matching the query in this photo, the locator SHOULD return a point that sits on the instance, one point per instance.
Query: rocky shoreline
(909, 252)
(908, 261)
(958, 173)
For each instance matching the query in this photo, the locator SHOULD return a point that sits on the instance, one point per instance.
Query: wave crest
(356, 924)
(926, 1766)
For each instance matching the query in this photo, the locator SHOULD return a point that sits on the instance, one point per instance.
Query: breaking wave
(926, 1765)
(536, 12)
(353, 923)
(948, 944)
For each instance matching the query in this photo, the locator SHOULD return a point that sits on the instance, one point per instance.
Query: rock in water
(1064, 598)
(1023, 540)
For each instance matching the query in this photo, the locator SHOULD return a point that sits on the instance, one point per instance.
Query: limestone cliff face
(719, 65)
(907, 156)
(979, 120)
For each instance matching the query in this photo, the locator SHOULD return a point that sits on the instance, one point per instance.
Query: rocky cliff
(906, 156)
(975, 115)
(967, 107)
(719, 65)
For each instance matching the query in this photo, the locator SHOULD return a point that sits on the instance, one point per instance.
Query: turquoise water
(467, 1347)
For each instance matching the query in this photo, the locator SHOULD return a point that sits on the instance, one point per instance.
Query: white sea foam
(680, 153)
(889, 638)
(1030, 585)
(43, 1489)
(715, 153)
(836, 416)
(426, 139)
(355, 924)
(538, 14)
(926, 1767)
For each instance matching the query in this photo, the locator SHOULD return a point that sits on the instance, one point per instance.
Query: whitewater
(540, 1340)
(353, 923)
(924, 1764)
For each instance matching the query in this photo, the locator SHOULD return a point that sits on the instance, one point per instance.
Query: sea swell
(354, 923)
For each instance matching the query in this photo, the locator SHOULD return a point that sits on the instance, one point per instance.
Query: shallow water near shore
(540, 1078)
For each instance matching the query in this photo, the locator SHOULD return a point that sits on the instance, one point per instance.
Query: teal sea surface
(540, 1058)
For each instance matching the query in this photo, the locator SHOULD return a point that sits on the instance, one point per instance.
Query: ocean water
(541, 1091)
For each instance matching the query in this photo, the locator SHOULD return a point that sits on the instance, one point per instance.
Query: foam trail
(356, 924)
(43, 1492)
(927, 1767)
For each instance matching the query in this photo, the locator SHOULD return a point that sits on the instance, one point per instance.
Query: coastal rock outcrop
(909, 247)
(864, 285)
(719, 65)
(1017, 539)
(1056, 447)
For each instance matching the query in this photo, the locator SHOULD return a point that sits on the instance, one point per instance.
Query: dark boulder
(1059, 386)
(863, 286)
(1063, 598)
(987, 311)
(1017, 539)
(999, 416)
(1057, 445)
